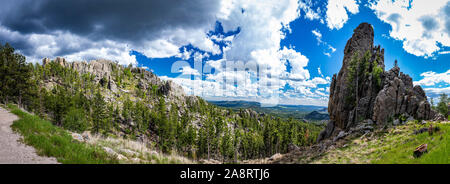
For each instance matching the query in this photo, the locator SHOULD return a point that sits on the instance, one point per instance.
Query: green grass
(399, 147)
(394, 146)
(53, 141)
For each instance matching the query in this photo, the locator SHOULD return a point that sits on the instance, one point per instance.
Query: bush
(75, 120)
(53, 141)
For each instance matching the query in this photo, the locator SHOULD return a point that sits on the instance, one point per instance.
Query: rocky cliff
(363, 91)
(104, 71)
(107, 75)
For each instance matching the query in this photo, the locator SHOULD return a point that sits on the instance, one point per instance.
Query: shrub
(75, 120)
(53, 141)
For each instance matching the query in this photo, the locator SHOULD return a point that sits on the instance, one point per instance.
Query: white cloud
(60, 43)
(434, 83)
(432, 78)
(187, 70)
(444, 52)
(318, 35)
(435, 92)
(422, 25)
(298, 63)
(336, 15)
(261, 28)
(329, 49)
(262, 25)
(310, 13)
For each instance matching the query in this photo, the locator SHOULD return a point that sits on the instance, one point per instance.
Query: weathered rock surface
(381, 97)
(341, 111)
(103, 72)
(399, 96)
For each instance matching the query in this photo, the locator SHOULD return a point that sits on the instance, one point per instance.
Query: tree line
(77, 103)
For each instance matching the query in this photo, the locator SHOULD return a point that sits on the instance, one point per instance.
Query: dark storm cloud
(129, 21)
(17, 42)
(429, 23)
(447, 17)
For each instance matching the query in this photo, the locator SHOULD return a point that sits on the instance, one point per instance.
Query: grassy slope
(395, 146)
(53, 141)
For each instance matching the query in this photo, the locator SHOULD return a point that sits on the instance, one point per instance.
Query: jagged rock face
(103, 69)
(380, 99)
(399, 96)
(339, 109)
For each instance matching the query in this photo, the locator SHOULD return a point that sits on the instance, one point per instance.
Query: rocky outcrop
(400, 97)
(103, 72)
(363, 90)
(348, 105)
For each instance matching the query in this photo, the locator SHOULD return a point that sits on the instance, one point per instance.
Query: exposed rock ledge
(376, 98)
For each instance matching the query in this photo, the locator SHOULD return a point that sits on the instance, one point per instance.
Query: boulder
(341, 135)
(396, 122)
(438, 117)
(327, 132)
(292, 147)
(276, 156)
(78, 137)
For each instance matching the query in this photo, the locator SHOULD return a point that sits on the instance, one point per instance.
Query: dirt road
(11, 150)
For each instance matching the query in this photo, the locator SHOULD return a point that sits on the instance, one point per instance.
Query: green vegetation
(53, 141)
(75, 120)
(394, 153)
(442, 106)
(395, 146)
(360, 68)
(197, 130)
(298, 112)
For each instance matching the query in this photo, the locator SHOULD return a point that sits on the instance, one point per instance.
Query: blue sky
(321, 56)
(272, 51)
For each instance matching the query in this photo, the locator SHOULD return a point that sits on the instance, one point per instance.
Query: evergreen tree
(443, 104)
(99, 113)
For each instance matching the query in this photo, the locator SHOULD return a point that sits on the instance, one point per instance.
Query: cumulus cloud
(110, 29)
(434, 83)
(71, 46)
(253, 64)
(338, 10)
(422, 25)
(436, 92)
(187, 70)
(309, 12)
(432, 78)
(156, 28)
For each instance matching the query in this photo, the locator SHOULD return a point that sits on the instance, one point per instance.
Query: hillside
(317, 115)
(376, 116)
(395, 146)
(285, 111)
(391, 145)
(112, 113)
(106, 99)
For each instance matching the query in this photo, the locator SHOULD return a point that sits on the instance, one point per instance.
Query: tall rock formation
(342, 106)
(363, 90)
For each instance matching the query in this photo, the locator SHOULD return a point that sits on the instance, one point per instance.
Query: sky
(270, 51)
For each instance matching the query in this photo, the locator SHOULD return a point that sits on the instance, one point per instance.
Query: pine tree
(443, 104)
(99, 113)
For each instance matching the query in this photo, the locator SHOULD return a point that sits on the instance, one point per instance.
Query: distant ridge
(284, 111)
